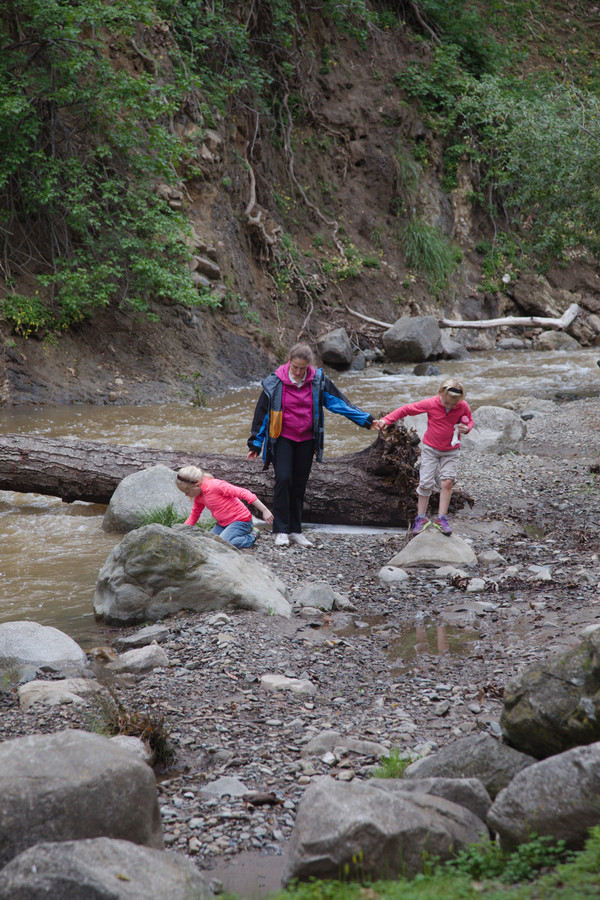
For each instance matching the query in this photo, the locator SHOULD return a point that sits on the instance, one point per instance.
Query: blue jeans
(238, 533)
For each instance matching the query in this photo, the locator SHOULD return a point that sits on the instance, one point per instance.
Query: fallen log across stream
(375, 486)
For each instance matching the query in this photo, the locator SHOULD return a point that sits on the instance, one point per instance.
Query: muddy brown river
(52, 551)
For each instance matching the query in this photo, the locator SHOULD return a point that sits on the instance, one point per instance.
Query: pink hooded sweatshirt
(297, 405)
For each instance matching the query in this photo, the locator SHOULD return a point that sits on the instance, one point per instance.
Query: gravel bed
(417, 664)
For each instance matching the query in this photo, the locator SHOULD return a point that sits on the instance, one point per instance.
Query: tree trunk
(375, 486)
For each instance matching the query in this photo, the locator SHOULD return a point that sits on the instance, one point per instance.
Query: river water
(52, 551)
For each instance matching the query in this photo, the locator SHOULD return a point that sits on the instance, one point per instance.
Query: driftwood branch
(559, 324)
(368, 318)
(375, 486)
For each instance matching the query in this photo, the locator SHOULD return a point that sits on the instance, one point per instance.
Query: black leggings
(292, 462)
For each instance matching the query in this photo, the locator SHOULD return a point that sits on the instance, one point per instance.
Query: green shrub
(488, 861)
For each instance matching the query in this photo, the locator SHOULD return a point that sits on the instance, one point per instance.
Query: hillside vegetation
(394, 156)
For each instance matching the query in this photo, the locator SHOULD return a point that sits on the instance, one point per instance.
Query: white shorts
(436, 466)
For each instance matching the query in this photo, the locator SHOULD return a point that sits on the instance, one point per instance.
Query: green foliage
(162, 515)
(461, 23)
(529, 142)
(391, 766)
(82, 145)
(437, 85)
(501, 257)
(537, 155)
(429, 251)
(198, 394)
(488, 861)
(574, 879)
(24, 315)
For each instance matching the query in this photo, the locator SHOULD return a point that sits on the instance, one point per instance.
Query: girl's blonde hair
(452, 385)
(190, 475)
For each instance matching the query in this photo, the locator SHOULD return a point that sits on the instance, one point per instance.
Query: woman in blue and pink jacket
(288, 425)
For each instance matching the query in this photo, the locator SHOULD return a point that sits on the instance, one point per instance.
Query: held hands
(379, 425)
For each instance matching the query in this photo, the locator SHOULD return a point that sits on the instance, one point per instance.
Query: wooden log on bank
(375, 486)
(560, 324)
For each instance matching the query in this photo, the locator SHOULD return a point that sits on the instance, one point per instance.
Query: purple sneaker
(420, 524)
(442, 524)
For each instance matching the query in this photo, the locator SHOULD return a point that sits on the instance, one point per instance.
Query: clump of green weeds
(163, 515)
(429, 251)
(392, 766)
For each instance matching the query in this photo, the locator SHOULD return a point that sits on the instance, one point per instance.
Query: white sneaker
(301, 540)
(282, 540)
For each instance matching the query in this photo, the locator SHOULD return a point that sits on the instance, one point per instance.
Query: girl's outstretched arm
(266, 512)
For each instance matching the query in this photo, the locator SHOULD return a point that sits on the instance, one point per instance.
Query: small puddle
(409, 640)
(534, 532)
(252, 876)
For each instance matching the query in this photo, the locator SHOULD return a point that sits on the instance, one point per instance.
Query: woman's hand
(252, 454)
(379, 424)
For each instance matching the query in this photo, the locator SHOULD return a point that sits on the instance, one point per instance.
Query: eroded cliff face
(291, 229)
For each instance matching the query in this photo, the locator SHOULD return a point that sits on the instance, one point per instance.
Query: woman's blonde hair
(452, 386)
(190, 475)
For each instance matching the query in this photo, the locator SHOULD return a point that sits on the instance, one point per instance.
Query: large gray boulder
(25, 646)
(140, 493)
(335, 348)
(375, 830)
(433, 549)
(467, 792)
(413, 339)
(555, 340)
(156, 571)
(452, 349)
(557, 797)
(495, 430)
(481, 756)
(554, 704)
(73, 785)
(101, 869)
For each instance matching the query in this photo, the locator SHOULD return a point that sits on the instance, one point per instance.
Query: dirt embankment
(333, 196)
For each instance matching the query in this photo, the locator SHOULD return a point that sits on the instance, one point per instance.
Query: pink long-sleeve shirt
(224, 502)
(440, 421)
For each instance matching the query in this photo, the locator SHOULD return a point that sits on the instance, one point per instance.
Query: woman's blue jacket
(325, 394)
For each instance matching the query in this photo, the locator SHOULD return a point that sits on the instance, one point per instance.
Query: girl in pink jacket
(224, 502)
(448, 416)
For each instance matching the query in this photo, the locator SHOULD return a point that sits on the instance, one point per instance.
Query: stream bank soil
(414, 666)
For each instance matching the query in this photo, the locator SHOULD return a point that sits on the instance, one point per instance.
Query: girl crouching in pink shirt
(448, 416)
(224, 502)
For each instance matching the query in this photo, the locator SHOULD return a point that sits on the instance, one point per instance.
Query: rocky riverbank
(414, 666)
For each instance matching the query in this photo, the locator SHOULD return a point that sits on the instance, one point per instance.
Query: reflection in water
(409, 640)
(52, 552)
(422, 638)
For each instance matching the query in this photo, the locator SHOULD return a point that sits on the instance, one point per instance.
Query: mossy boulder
(554, 705)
